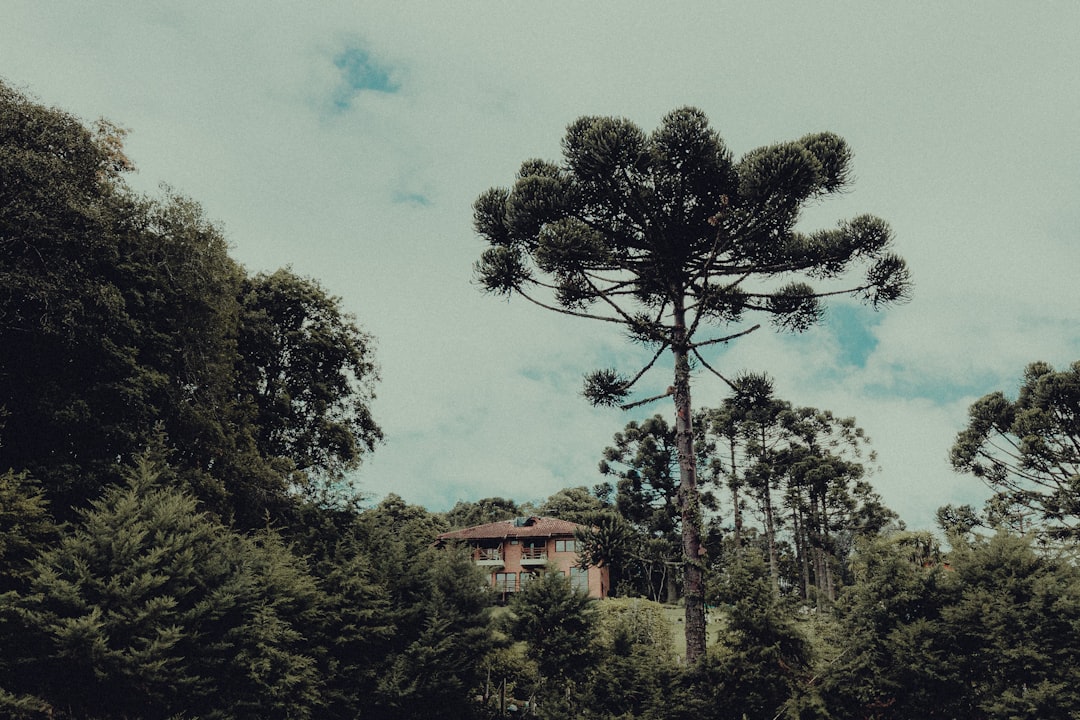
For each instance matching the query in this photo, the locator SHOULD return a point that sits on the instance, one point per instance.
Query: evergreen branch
(713, 370)
(726, 338)
(564, 311)
(646, 401)
(630, 383)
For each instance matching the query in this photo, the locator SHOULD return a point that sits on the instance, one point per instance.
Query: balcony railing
(487, 556)
(533, 555)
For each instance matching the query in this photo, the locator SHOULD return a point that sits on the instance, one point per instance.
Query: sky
(348, 141)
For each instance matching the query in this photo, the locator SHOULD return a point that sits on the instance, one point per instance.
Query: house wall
(563, 561)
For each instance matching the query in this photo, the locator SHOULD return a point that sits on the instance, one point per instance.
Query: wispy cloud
(412, 198)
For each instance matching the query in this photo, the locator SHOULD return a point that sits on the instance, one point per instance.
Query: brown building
(515, 551)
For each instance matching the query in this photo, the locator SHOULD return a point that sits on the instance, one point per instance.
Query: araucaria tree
(668, 236)
(1028, 452)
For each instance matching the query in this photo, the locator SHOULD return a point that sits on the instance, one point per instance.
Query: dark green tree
(1027, 451)
(66, 370)
(26, 528)
(890, 661)
(558, 625)
(990, 635)
(354, 631)
(486, 510)
(573, 504)
(150, 608)
(644, 459)
(636, 658)
(608, 540)
(761, 664)
(829, 501)
(310, 371)
(1013, 630)
(123, 320)
(439, 662)
(666, 236)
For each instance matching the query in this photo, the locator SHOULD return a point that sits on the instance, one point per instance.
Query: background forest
(179, 536)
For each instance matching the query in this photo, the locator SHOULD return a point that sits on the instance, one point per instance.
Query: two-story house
(515, 551)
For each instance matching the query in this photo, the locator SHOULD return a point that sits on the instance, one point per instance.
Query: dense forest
(180, 536)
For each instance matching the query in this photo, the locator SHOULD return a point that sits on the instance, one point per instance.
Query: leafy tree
(665, 235)
(1027, 451)
(573, 504)
(758, 414)
(26, 527)
(123, 318)
(1022, 609)
(762, 660)
(353, 633)
(992, 634)
(804, 469)
(310, 371)
(890, 620)
(829, 501)
(63, 372)
(644, 458)
(609, 541)
(486, 510)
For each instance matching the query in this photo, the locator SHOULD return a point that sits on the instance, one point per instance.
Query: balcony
(533, 556)
(488, 557)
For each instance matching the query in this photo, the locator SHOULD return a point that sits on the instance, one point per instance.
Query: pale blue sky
(349, 139)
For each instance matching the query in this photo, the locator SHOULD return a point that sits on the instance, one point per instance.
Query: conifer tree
(1027, 450)
(666, 236)
(558, 624)
(150, 608)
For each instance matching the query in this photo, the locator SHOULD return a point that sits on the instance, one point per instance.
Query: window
(579, 579)
(567, 546)
(506, 582)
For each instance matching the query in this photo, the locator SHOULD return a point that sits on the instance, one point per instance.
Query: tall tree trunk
(770, 536)
(802, 543)
(735, 501)
(693, 566)
(770, 524)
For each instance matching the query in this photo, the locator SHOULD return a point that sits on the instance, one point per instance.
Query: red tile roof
(519, 527)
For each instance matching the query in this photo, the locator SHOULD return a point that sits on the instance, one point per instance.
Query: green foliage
(310, 371)
(805, 470)
(149, 608)
(123, 318)
(761, 664)
(644, 458)
(664, 235)
(1028, 451)
(574, 504)
(439, 664)
(557, 622)
(992, 636)
(25, 526)
(486, 510)
(608, 541)
(674, 213)
(636, 658)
